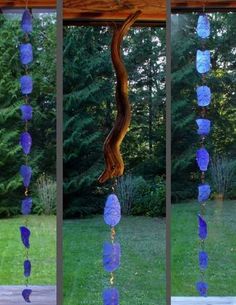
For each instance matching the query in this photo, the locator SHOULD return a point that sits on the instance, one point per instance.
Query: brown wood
(41, 295)
(113, 10)
(196, 4)
(31, 3)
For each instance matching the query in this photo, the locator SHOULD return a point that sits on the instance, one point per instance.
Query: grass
(220, 245)
(42, 251)
(141, 277)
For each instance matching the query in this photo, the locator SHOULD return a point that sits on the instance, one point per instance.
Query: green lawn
(220, 245)
(141, 277)
(42, 251)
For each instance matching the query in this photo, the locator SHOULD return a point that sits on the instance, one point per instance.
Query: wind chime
(113, 158)
(203, 65)
(26, 87)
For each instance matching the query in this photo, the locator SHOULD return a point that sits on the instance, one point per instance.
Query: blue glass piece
(112, 214)
(203, 26)
(26, 295)
(202, 288)
(26, 112)
(111, 296)
(26, 22)
(203, 62)
(203, 96)
(111, 256)
(204, 191)
(204, 126)
(26, 53)
(25, 235)
(26, 142)
(26, 206)
(202, 228)
(26, 173)
(26, 84)
(27, 268)
(203, 260)
(202, 158)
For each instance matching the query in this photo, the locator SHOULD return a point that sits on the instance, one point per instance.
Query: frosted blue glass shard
(202, 288)
(26, 206)
(26, 53)
(203, 96)
(202, 158)
(26, 22)
(111, 256)
(27, 268)
(203, 260)
(203, 26)
(25, 235)
(26, 173)
(111, 296)
(203, 61)
(26, 295)
(26, 84)
(26, 112)
(204, 191)
(202, 228)
(26, 142)
(204, 126)
(112, 211)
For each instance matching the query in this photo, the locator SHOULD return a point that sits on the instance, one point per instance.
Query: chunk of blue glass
(204, 191)
(26, 112)
(202, 158)
(203, 61)
(202, 228)
(26, 22)
(26, 142)
(204, 126)
(111, 296)
(203, 26)
(26, 295)
(111, 256)
(27, 268)
(203, 96)
(26, 206)
(202, 288)
(25, 235)
(112, 211)
(203, 260)
(26, 173)
(26, 53)
(26, 84)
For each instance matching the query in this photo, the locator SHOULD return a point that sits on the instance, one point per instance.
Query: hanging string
(26, 85)
(204, 97)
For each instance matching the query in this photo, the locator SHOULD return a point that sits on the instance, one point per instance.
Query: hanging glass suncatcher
(203, 66)
(26, 87)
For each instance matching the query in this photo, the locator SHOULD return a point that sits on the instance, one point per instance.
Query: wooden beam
(31, 3)
(181, 5)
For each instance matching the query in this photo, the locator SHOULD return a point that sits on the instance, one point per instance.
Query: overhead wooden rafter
(181, 6)
(105, 12)
(31, 3)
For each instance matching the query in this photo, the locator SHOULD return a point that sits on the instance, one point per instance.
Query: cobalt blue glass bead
(26, 206)
(26, 84)
(203, 61)
(202, 228)
(26, 53)
(26, 142)
(203, 96)
(26, 22)
(111, 256)
(27, 268)
(26, 112)
(26, 173)
(112, 213)
(204, 191)
(25, 234)
(202, 288)
(203, 26)
(111, 296)
(26, 295)
(204, 126)
(202, 158)
(203, 260)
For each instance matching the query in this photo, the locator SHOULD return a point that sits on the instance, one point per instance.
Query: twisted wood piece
(112, 155)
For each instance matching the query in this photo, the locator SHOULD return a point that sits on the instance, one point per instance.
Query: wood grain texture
(203, 301)
(187, 4)
(31, 3)
(41, 295)
(114, 9)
